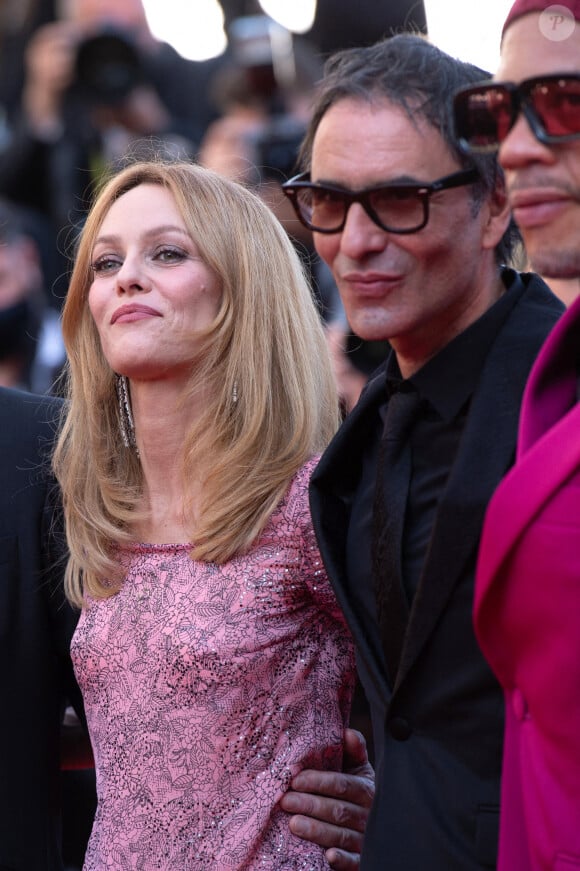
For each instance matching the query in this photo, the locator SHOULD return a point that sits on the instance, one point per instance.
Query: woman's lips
(129, 313)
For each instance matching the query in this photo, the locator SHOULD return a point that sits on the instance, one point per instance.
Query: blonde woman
(214, 661)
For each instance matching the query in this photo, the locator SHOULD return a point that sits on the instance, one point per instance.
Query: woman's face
(151, 292)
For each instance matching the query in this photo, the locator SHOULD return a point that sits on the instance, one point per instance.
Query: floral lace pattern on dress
(206, 689)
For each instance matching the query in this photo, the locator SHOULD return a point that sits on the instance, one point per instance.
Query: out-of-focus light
(295, 15)
(469, 31)
(258, 40)
(194, 28)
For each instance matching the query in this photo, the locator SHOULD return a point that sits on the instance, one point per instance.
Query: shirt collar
(448, 380)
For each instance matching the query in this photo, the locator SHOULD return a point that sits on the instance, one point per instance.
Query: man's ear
(498, 214)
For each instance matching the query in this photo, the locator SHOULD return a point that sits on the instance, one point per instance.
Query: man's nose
(360, 235)
(521, 146)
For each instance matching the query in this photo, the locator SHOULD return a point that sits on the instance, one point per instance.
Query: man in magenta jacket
(527, 606)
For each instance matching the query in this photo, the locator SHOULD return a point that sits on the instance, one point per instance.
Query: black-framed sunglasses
(485, 113)
(396, 208)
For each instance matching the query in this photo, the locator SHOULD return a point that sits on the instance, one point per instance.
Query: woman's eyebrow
(110, 238)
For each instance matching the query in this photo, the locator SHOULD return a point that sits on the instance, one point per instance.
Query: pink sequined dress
(206, 689)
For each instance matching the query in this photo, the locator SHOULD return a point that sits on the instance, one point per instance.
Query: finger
(326, 835)
(340, 860)
(357, 789)
(355, 749)
(331, 812)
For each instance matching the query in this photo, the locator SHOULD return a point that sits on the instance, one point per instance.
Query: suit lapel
(479, 466)
(548, 450)
(331, 490)
(553, 384)
(486, 453)
(539, 474)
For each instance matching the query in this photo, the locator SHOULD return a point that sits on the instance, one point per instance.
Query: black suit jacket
(35, 631)
(438, 731)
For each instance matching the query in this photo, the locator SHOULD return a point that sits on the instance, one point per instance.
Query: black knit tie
(390, 499)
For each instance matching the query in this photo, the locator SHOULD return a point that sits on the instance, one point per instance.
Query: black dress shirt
(446, 384)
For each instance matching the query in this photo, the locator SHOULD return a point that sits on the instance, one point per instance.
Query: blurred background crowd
(85, 85)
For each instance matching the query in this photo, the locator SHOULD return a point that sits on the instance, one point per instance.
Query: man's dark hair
(409, 72)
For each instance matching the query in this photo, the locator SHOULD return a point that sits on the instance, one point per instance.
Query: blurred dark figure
(264, 91)
(31, 348)
(96, 84)
(78, 790)
(343, 24)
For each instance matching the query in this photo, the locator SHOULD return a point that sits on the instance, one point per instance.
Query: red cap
(522, 7)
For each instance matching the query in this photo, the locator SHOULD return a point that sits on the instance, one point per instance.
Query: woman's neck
(162, 422)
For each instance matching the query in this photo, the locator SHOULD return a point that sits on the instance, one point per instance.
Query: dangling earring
(126, 423)
(235, 393)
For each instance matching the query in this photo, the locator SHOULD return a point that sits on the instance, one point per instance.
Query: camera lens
(108, 67)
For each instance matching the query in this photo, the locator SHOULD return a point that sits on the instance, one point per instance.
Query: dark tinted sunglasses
(485, 113)
(396, 208)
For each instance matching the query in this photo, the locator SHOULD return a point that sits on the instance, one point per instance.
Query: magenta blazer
(527, 614)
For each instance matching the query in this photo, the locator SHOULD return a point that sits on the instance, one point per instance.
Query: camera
(108, 67)
(276, 147)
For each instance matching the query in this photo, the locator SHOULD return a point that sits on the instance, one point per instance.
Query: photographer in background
(263, 92)
(96, 82)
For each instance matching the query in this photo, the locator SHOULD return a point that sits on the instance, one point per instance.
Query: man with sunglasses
(415, 233)
(532, 115)
(528, 579)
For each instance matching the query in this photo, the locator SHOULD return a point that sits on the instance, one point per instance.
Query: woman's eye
(170, 255)
(105, 264)
(108, 263)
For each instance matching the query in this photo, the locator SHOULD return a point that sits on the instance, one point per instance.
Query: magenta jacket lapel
(548, 448)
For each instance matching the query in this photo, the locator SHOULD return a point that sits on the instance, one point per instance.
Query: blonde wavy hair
(267, 344)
